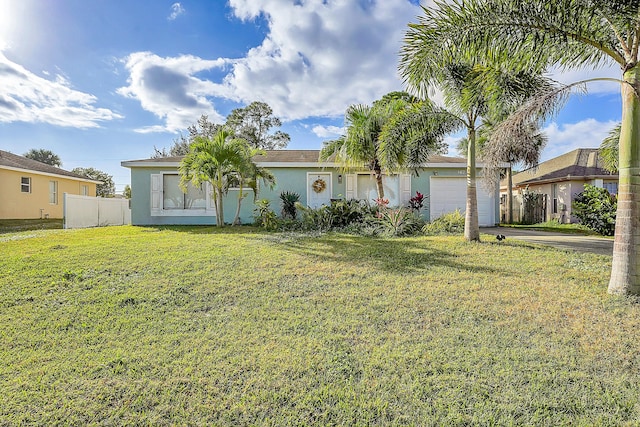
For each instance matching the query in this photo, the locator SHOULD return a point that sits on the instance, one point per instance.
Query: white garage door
(449, 194)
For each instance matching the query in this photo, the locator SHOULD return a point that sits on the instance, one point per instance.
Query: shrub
(346, 212)
(340, 214)
(449, 223)
(318, 219)
(596, 209)
(289, 200)
(398, 222)
(416, 203)
(265, 217)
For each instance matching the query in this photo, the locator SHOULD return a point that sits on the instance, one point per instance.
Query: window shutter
(156, 194)
(350, 189)
(405, 189)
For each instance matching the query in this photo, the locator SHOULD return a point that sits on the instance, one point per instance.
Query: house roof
(13, 161)
(582, 163)
(287, 158)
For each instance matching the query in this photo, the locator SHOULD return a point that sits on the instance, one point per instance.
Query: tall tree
(44, 156)
(254, 122)
(180, 147)
(360, 145)
(536, 34)
(106, 189)
(214, 160)
(471, 94)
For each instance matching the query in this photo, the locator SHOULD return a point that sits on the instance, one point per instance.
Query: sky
(103, 81)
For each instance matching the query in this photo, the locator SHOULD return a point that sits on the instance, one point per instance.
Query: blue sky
(98, 82)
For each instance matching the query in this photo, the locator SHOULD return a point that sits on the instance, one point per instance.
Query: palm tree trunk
(625, 268)
(471, 228)
(510, 195)
(219, 207)
(236, 220)
(377, 171)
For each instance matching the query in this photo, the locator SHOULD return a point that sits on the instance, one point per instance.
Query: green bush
(318, 219)
(596, 209)
(398, 222)
(346, 215)
(265, 217)
(449, 223)
(288, 204)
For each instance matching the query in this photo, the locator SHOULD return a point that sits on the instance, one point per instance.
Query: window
(25, 184)
(367, 189)
(554, 196)
(84, 190)
(611, 187)
(174, 198)
(53, 192)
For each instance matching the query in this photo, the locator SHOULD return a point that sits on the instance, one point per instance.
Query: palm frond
(610, 149)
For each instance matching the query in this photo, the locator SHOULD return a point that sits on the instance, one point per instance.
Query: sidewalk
(573, 242)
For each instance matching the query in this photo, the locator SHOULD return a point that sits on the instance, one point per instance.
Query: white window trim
(157, 199)
(54, 193)
(28, 185)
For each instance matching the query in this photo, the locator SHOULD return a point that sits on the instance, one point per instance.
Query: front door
(318, 189)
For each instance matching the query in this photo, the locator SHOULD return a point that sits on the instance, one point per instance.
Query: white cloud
(317, 58)
(327, 131)
(176, 10)
(168, 88)
(563, 138)
(27, 97)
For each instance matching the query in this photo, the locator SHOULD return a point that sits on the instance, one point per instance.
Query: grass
(557, 227)
(197, 326)
(15, 225)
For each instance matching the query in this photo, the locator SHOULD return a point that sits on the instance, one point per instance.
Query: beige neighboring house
(560, 179)
(31, 190)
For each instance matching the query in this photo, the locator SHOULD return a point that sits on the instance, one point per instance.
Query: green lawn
(196, 326)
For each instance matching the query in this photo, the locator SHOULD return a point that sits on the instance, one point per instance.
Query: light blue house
(157, 198)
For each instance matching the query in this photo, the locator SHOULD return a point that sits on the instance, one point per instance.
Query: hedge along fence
(87, 211)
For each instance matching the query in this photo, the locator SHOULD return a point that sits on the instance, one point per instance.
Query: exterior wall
(567, 191)
(293, 179)
(14, 204)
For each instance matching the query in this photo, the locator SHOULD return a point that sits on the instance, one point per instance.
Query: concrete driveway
(572, 242)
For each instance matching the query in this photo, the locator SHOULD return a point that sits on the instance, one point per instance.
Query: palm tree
(609, 152)
(471, 95)
(536, 34)
(360, 145)
(249, 174)
(214, 160)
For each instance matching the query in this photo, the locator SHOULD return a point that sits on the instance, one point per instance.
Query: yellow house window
(53, 192)
(25, 184)
(84, 190)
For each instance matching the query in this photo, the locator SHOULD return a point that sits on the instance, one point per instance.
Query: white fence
(86, 211)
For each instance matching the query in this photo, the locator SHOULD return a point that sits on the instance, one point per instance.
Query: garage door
(449, 194)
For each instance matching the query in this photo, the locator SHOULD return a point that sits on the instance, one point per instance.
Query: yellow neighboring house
(31, 190)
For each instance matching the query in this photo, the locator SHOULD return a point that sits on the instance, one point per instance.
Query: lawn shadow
(398, 255)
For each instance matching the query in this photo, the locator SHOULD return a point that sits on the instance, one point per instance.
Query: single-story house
(156, 197)
(32, 190)
(560, 179)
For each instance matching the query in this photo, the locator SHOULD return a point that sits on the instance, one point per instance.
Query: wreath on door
(319, 185)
